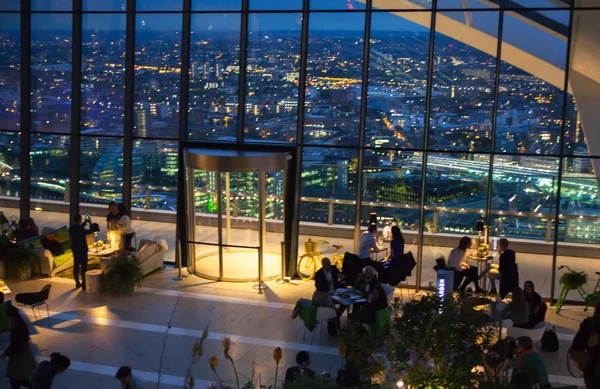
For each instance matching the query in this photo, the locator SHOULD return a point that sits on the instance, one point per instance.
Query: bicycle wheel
(307, 267)
(561, 298)
(338, 261)
(573, 369)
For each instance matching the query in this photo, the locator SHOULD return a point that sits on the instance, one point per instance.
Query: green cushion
(383, 322)
(4, 324)
(63, 235)
(308, 314)
(60, 260)
(36, 243)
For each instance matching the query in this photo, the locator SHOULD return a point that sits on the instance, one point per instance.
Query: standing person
(368, 243)
(125, 228)
(462, 270)
(397, 244)
(21, 362)
(518, 309)
(302, 368)
(47, 370)
(113, 215)
(128, 380)
(80, 248)
(588, 339)
(537, 308)
(328, 278)
(531, 363)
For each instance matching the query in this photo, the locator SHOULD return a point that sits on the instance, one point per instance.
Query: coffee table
(5, 289)
(102, 254)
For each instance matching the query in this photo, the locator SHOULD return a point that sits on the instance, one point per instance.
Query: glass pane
(397, 80)
(537, 4)
(216, 5)
(10, 75)
(10, 167)
(334, 78)
(51, 5)
(272, 74)
(101, 170)
(105, 5)
(205, 206)
(462, 101)
(214, 77)
(464, 4)
(337, 4)
(158, 68)
(406, 4)
(156, 188)
(159, 5)
(103, 72)
(51, 73)
(49, 158)
(10, 5)
(276, 5)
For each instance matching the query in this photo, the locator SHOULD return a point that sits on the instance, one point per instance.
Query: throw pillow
(63, 235)
(52, 245)
(37, 244)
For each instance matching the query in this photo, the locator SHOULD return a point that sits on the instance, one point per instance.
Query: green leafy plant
(574, 279)
(20, 261)
(123, 275)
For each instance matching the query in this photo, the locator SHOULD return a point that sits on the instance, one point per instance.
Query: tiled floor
(101, 332)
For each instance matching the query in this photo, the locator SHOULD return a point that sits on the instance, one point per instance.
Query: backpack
(550, 340)
(332, 328)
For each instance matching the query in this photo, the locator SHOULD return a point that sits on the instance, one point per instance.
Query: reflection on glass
(156, 183)
(272, 74)
(51, 5)
(10, 5)
(276, 5)
(334, 78)
(397, 81)
(407, 4)
(159, 5)
(461, 4)
(49, 166)
(101, 170)
(158, 71)
(216, 5)
(456, 189)
(337, 4)
(328, 185)
(51, 73)
(10, 164)
(462, 99)
(103, 72)
(104, 5)
(10, 76)
(214, 77)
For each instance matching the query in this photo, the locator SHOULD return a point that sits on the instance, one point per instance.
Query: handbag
(581, 358)
(550, 340)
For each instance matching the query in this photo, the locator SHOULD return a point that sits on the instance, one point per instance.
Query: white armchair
(150, 256)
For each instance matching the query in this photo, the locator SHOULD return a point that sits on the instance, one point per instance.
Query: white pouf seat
(94, 281)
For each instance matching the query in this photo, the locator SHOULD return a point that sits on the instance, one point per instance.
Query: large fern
(123, 275)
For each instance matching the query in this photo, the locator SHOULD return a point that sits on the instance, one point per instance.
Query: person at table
(587, 340)
(111, 229)
(328, 278)
(21, 361)
(23, 231)
(124, 225)
(518, 309)
(301, 368)
(79, 246)
(537, 308)
(319, 299)
(462, 270)
(506, 271)
(397, 244)
(530, 362)
(368, 244)
(376, 301)
(367, 281)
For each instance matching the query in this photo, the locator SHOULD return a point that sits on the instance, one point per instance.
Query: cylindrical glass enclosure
(235, 221)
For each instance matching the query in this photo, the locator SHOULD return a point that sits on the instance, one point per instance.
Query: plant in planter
(123, 274)
(17, 260)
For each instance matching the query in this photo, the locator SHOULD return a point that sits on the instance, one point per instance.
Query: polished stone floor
(158, 325)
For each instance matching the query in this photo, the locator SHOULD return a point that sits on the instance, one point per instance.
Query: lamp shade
(373, 218)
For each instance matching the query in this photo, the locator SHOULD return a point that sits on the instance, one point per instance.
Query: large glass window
(10, 76)
(214, 77)
(51, 44)
(272, 76)
(158, 72)
(103, 75)
(101, 170)
(10, 177)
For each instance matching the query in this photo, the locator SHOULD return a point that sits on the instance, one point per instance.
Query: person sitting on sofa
(23, 232)
(125, 229)
(79, 248)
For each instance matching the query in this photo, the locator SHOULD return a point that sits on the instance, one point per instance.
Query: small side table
(94, 281)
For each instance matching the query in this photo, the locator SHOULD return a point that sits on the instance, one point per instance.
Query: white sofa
(150, 256)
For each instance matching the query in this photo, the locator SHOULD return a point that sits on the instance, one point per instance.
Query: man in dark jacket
(79, 246)
(506, 271)
(328, 278)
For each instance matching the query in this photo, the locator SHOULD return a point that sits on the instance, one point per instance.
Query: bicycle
(575, 280)
(307, 265)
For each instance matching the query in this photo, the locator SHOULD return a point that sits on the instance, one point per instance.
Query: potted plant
(17, 261)
(123, 274)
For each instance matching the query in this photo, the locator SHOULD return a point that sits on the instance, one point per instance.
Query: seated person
(23, 231)
(328, 278)
(462, 270)
(537, 308)
(506, 271)
(368, 243)
(366, 281)
(376, 301)
(518, 309)
(319, 299)
(303, 362)
(530, 362)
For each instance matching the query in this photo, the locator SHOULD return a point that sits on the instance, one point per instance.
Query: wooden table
(103, 253)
